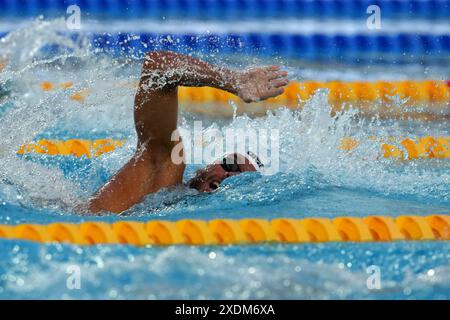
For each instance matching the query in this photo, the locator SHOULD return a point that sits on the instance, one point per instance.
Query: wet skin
(156, 115)
(209, 178)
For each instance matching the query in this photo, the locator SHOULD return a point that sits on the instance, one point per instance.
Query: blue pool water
(315, 179)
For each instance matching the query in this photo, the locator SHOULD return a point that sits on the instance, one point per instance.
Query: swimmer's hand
(259, 84)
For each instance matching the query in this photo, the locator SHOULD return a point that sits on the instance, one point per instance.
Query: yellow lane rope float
(404, 148)
(244, 231)
(425, 99)
(426, 147)
(72, 147)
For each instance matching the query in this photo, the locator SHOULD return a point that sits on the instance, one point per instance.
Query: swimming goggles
(230, 167)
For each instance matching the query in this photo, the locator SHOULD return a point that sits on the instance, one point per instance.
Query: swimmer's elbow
(94, 207)
(158, 60)
(98, 206)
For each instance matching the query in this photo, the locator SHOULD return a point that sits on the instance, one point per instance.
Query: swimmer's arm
(171, 69)
(164, 71)
(156, 101)
(156, 114)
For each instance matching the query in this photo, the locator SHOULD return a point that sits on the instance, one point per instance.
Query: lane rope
(425, 91)
(351, 48)
(72, 147)
(426, 100)
(243, 231)
(232, 9)
(343, 48)
(426, 147)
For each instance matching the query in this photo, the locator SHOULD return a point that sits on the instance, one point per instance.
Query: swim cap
(265, 164)
(238, 158)
(255, 161)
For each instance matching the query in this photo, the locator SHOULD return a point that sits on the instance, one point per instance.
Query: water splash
(311, 160)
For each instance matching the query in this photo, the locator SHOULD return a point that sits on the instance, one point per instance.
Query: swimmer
(156, 114)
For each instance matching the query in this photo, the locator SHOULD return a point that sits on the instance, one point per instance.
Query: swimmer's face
(210, 178)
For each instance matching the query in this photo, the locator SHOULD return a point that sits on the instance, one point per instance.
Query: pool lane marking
(423, 91)
(232, 232)
(426, 147)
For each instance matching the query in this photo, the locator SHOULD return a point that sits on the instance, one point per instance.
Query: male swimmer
(155, 115)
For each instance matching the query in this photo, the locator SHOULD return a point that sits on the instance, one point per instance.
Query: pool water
(316, 178)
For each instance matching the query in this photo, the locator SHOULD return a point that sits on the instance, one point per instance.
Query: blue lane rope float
(349, 48)
(243, 231)
(357, 47)
(231, 9)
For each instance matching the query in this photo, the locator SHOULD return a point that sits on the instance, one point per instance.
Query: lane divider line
(230, 232)
(423, 91)
(425, 99)
(73, 147)
(426, 147)
(232, 10)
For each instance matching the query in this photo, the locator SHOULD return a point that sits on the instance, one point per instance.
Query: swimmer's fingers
(264, 70)
(279, 83)
(271, 68)
(277, 75)
(272, 93)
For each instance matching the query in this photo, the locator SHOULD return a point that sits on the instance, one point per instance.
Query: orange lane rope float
(404, 148)
(72, 147)
(426, 99)
(426, 147)
(244, 231)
